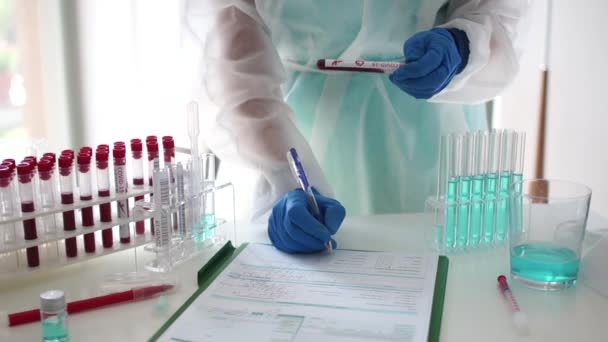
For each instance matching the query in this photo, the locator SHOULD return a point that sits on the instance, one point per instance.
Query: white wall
(577, 124)
(577, 118)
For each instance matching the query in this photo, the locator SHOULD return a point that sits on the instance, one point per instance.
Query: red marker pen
(26, 192)
(358, 65)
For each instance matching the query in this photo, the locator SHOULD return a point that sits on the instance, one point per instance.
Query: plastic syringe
(520, 320)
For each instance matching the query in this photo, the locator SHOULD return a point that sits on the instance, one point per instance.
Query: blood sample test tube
(121, 185)
(7, 203)
(66, 186)
(138, 177)
(153, 164)
(86, 194)
(26, 192)
(103, 190)
(47, 194)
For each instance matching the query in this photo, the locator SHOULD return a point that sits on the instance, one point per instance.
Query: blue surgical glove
(432, 59)
(293, 229)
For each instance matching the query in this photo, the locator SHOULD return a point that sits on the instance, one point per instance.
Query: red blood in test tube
(137, 150)
(119, 153)
(29, 226)
(152, 146)
(105, 209)
(69, 220)
(84, 165)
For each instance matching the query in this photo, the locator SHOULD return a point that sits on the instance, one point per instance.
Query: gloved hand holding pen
(303, 221)
(292, 228)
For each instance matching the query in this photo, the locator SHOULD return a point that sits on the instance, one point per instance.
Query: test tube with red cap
(26, 192)
(153, 164)
(121, 185)
(66, 186)
(169, 159)
(47, 194)
(103, 190)
(138, 177)
(14, 183)
(86, 194)
(35, 181)
(50, 156)
(7, 207)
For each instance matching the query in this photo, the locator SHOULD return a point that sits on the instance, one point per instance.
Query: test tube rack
(476, 174)
(51, 245)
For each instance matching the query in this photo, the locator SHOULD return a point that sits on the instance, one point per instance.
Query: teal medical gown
(377, 147)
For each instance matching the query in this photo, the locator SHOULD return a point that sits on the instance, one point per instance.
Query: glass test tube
(121, 186)
(169, 161)
(209, 196)
(9, 195)
(502, 207)
(453, 151)
(26, 192)
(467, 160)
(7, 207)
(47, 194)
(138, 177)
(35, 180)
(442, 181)
(181, 200)
(519, 147)
(86, 194)
(66, 186)
(103, 190)
(491, 186)
(162, 216)
(477, 188)
(10, 163)
(153, 164)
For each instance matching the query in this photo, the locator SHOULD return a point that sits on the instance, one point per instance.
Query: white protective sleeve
(494, 29)
(249, 121)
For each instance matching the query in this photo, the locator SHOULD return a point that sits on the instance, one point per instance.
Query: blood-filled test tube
(103, 190)
(169, 160)
(86, 194)
(47, 193)
(153, 164)
(35, 180)
(26, 192)
(138, 177)
(121, 185)
(66, 186)
(7, 202)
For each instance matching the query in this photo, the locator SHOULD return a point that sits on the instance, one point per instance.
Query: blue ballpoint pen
(298, 171)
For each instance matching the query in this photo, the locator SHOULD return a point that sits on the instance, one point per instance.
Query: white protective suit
(376, 144)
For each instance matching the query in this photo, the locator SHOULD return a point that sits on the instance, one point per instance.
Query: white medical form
(267, 295)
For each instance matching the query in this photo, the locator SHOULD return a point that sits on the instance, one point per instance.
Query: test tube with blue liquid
(491, 186)
(209, 194)
(452, 151)
(477, 188)
(465, 145)
(502, 209)
(519, 145)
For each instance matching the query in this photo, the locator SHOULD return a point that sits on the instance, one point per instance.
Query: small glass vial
(54, 316)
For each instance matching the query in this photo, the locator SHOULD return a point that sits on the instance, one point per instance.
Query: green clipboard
(207, 274)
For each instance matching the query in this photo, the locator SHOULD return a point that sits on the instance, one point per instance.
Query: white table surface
(473, 309)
